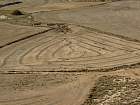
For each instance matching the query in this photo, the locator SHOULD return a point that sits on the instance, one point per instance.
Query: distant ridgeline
(4, 3)
(79, 0)
(12, 2)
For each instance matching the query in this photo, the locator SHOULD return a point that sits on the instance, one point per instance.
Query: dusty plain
(70, 52)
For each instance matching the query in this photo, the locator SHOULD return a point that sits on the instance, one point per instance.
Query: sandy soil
(30, 8)
(71, 54)
(10, 33)
(80, 49)
(121, 15)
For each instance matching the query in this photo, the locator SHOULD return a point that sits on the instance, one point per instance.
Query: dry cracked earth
(69, 52)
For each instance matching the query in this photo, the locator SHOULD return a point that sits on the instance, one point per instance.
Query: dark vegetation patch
(114, 90)
(17, 12)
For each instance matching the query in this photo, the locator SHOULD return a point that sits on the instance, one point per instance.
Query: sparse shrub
(17, 12)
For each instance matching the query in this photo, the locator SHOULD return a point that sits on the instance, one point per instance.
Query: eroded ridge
(73, 49)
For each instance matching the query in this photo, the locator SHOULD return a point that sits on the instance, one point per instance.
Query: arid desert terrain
(69, 52)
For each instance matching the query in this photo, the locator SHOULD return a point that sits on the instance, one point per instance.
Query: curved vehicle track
(67, 64)
(77, 50)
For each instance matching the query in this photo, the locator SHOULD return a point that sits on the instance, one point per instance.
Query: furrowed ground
(69, 52)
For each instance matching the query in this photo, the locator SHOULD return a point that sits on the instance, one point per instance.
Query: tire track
(47, 53)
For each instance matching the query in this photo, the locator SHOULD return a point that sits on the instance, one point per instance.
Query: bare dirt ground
(70, 53)
(18, 32)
